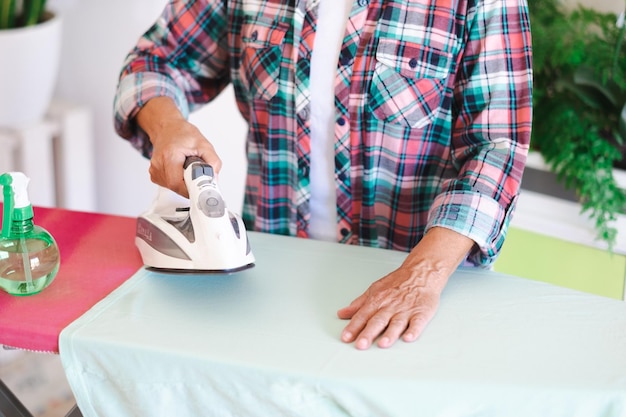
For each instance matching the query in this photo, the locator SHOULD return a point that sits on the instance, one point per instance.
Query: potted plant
(579, 102)
(30, 47)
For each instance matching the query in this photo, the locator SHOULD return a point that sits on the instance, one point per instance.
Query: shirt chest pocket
(409, 82)
(262, 56)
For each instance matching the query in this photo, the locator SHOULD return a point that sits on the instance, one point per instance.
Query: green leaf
(591, 96)
(585, 76)
(7, 14)
(33, 11)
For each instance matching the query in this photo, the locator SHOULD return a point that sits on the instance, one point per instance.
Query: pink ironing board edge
(98, 254)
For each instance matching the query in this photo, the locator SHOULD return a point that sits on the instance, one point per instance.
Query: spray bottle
(29, 255)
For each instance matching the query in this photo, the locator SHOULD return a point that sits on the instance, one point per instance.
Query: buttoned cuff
(479, 217)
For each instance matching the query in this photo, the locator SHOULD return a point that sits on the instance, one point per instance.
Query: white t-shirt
(331, 26)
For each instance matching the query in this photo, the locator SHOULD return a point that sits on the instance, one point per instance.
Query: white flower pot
(29, 65)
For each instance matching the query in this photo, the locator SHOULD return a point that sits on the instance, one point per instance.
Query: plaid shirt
(433, 104)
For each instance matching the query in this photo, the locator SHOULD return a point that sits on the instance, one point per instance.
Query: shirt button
(345, 60)
(303, 210)
(254, 35)
(413, 63)
(363, 3)
(344, 232)
(304, 113)
(341, 121)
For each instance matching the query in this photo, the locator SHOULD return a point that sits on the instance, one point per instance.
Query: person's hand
(173, 140)
(401, 304)
(177, 140)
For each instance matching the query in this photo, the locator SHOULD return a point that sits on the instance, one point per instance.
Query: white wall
(97, 36)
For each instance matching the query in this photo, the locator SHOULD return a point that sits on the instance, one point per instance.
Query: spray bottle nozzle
(17, 206)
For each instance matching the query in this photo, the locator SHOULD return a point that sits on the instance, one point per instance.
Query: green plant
(579, 103)
(15, 13)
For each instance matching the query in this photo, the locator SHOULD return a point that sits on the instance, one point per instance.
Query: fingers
(396, 328)
(417, 326)
(386, 318)
(387, 327)
(168, 173)
(212, 159)
(348, 312)
(373, 327)
(406, 329)
(355, 328)
(182, 140)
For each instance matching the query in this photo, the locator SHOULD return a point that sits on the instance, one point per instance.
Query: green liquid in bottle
(29, 260)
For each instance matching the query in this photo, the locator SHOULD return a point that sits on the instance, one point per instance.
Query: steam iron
(198, 234)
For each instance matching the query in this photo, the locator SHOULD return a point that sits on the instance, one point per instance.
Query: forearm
(156, 114)
(436, 257)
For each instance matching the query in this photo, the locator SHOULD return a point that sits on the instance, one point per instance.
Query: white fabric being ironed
(265, 342)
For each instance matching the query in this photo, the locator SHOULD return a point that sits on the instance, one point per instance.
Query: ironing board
(265, 342)
(97, 255)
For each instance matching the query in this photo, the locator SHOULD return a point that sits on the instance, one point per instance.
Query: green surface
(544, 258)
